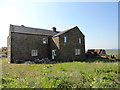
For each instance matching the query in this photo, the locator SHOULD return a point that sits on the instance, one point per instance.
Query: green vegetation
(61, 75)
(3, 51)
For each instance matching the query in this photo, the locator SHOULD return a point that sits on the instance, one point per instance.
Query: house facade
(26, 43)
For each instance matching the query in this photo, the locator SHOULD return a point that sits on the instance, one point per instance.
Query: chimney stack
(22, 25)
(54, 29)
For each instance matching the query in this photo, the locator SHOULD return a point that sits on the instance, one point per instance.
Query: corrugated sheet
(97, 51)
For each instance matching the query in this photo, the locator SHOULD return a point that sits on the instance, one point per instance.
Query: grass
(61, 75)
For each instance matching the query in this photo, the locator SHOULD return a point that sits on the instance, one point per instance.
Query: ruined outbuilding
(95, 52)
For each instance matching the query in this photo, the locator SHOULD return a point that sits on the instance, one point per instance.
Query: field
(60, 75)
(115, 52)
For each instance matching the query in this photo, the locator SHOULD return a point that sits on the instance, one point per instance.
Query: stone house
(26, 43)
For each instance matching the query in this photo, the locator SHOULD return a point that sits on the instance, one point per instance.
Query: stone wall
(23, 44)
(67, 50)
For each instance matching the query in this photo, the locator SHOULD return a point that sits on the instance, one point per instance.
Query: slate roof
(30, 30)
(58, 34)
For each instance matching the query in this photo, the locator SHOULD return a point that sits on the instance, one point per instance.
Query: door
(53, 54)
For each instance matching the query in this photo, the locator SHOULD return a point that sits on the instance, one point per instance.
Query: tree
(4, 50)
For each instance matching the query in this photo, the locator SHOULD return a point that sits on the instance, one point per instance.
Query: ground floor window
(77, 51)
(34, 53)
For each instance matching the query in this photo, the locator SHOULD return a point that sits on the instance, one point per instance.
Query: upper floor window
(34, 53)
(77, 51)
(45, 40)
(80, 40)
(65, 39)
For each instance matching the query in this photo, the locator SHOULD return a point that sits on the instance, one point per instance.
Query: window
(45, 40)
(34, 53)
(80, 40)
(77, 51)
(65, 39)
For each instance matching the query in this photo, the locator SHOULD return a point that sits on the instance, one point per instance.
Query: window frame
(34, 53)
(65, 39)
(80, 41)
(77, 52)
(45, 40)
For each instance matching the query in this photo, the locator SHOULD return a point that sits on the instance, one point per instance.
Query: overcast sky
(97, 20)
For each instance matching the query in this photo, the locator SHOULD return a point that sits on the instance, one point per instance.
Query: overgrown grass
(61, 75)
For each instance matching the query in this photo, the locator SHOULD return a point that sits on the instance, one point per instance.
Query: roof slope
(29, 30)
(67, 31)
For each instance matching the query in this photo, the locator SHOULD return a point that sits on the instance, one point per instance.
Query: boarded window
(80, 40)
(65, 39)
(77, 51)
(45, 40)
(34, 53)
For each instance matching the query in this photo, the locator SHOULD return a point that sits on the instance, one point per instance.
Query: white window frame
(80, 40)
(65, 39)
(77, 51)
(34, 53)
(45, 40)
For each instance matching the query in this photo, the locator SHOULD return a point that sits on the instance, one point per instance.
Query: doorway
(53, 54)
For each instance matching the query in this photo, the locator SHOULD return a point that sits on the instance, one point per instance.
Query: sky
(97, 20)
